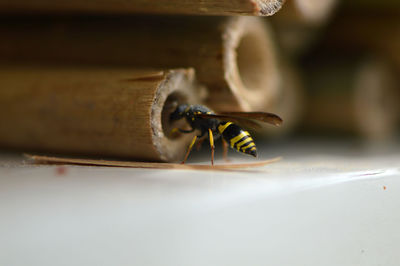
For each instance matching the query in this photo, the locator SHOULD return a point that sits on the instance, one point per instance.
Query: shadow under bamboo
(189, 7)
(234, 57)
(104, 112)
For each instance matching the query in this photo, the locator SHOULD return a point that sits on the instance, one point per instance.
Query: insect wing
(247, 118)
(265, 117)
(241, 121)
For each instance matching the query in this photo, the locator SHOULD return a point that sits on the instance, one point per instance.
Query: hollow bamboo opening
(250, 64)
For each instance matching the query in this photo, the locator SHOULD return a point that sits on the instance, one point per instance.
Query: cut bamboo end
(188, 7)
(249, 65)
(177, 87)
(268, 7)
(102, 112)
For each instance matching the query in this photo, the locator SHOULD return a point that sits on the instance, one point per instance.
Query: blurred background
(330, 69)
(348, 66)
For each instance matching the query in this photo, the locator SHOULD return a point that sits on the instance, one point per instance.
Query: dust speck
(61, 170)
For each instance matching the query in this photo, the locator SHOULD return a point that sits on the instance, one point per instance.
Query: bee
(212, 126)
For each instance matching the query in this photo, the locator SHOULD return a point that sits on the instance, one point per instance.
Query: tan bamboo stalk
(192, 7)
(103, 112)
(359, 98)
(234, 57)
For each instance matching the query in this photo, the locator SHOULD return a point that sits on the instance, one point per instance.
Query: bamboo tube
(189, 7)
(102, 112)
(353, 97)
(234, 57)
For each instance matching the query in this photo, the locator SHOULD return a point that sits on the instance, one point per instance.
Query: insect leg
(225, 150)
(211, 137)
(190, 148)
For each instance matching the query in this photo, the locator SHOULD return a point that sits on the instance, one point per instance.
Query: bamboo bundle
(117, 112)
(234, 57)
(357, 97)
(193, 7)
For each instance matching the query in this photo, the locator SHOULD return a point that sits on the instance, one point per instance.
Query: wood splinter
(152, 165)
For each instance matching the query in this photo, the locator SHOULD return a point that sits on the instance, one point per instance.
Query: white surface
(316, 207)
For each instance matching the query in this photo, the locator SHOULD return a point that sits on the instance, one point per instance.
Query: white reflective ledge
(315, 207)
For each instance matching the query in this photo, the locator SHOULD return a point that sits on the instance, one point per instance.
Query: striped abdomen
(237, 138)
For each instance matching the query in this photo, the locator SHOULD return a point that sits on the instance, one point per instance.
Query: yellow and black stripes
(204, 122)
(237, 138)
(222, 126)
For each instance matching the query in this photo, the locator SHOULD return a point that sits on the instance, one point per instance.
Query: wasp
(212, 126)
